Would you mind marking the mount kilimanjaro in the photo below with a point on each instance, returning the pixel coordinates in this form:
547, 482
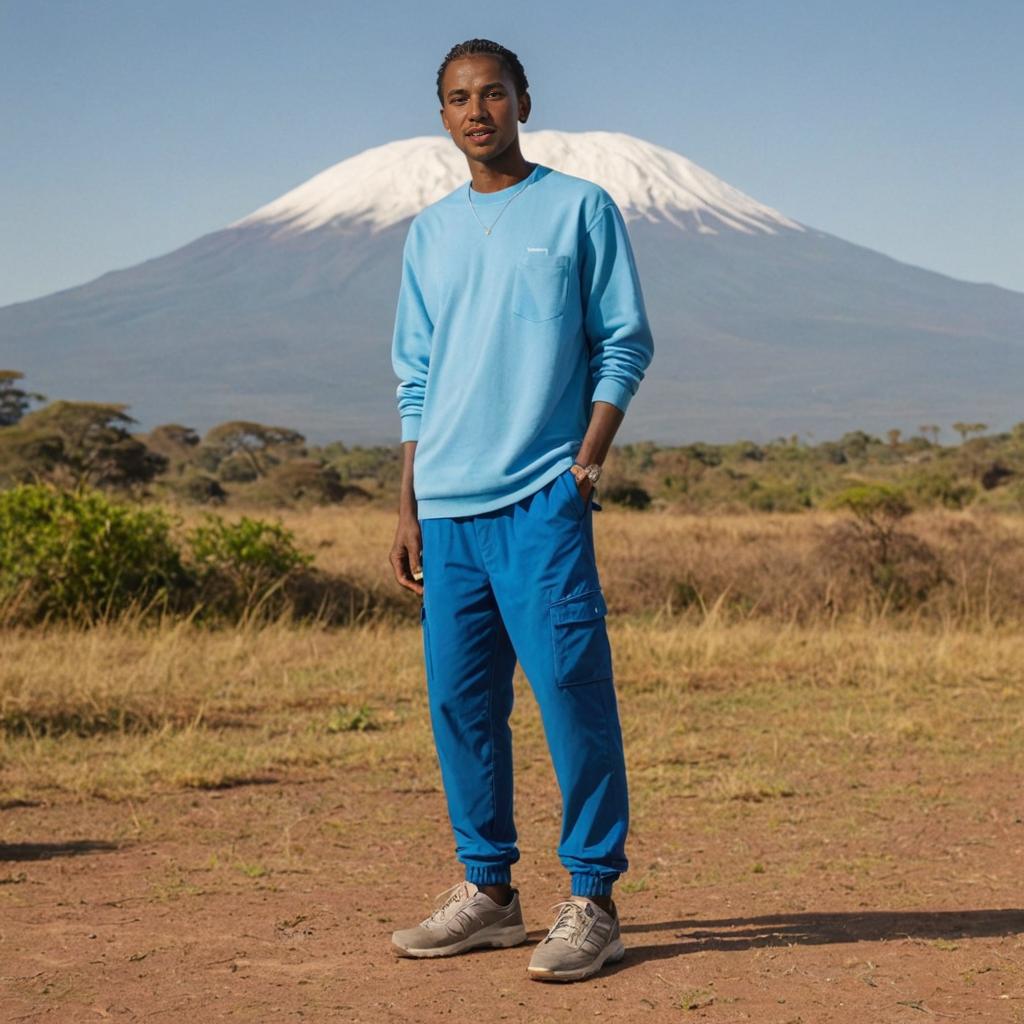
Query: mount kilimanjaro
762, 325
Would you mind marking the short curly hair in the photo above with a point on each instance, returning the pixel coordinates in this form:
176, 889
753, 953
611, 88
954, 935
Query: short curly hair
472, 47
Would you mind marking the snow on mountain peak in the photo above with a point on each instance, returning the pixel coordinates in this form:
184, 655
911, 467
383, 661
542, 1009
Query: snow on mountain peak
387, 184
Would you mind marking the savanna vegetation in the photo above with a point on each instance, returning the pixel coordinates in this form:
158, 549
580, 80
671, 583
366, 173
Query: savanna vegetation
72, 444
97, 522
222, 641
149, 645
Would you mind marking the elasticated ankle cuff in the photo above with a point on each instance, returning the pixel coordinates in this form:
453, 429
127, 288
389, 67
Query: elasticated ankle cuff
489, 874
592, 885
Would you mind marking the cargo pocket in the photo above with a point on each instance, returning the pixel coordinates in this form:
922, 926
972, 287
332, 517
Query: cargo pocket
579, 638
540, 287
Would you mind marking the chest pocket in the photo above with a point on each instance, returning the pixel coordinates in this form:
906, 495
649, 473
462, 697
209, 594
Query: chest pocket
540, 287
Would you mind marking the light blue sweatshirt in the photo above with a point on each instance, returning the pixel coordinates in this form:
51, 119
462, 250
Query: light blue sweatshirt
502, 341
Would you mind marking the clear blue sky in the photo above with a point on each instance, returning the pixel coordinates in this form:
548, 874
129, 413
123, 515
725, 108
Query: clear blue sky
130, 127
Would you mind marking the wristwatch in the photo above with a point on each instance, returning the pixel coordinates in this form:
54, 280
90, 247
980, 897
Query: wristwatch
593, 471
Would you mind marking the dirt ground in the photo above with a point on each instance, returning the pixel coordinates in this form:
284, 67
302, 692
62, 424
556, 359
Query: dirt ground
275, 901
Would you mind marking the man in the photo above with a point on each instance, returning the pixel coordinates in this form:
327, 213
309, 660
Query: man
520, 338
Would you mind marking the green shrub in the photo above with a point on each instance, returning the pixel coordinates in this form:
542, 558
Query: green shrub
627, 493
347, 719
877, 506
773, 496
708, 454
199, 488
934, 487
243, 568
302, 480
80, 556
237, 469
901, 568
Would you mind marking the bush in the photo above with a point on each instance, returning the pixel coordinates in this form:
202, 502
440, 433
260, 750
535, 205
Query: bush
899, 567
777, 496
934, 487
79, 556
244, 568
302, 480
898, 572
200, 488
628, 493
877, 506
237, 469
707, 454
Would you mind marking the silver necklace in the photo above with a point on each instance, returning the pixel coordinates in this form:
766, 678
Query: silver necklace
469, 196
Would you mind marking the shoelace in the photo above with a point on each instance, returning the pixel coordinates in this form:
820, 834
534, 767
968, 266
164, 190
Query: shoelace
445, 900
571, 921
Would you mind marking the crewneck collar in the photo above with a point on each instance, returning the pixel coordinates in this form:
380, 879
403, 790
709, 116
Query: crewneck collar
503, 194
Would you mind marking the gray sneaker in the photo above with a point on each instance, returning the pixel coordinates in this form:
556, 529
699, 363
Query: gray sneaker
582, 940
463, 918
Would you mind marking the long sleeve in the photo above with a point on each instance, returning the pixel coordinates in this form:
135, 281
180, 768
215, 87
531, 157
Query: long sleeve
410, 345
615, 317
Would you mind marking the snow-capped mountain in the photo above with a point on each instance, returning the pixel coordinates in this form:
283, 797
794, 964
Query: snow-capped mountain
376, 189
762, 325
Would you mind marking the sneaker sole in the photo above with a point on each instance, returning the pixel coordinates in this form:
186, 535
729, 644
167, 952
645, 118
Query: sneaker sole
611, 954
491, 937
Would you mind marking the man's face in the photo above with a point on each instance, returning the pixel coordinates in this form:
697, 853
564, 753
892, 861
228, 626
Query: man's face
480, 96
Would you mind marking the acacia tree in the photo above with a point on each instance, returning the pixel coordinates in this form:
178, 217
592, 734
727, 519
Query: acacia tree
174, 441
174, 435
14, 402
964, 429
27, 457
259, 444
92, 444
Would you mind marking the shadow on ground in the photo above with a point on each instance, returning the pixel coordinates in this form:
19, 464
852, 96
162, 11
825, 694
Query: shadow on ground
47, 851
741, 933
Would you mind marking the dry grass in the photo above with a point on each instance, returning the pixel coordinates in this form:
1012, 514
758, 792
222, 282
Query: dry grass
803, 568
716, 705
962, 570
741, 712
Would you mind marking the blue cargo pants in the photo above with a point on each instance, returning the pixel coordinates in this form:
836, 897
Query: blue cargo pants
521, 582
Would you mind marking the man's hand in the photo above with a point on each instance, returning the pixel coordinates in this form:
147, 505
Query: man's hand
583, 483
406, 552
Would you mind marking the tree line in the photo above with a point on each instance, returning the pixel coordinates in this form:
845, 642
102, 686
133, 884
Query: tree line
77, 444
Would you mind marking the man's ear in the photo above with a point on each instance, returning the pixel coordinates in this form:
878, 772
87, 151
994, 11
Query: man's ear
444, 121
524, 107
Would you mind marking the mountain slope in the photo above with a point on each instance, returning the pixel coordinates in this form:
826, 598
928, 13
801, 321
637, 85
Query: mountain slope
762, 325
